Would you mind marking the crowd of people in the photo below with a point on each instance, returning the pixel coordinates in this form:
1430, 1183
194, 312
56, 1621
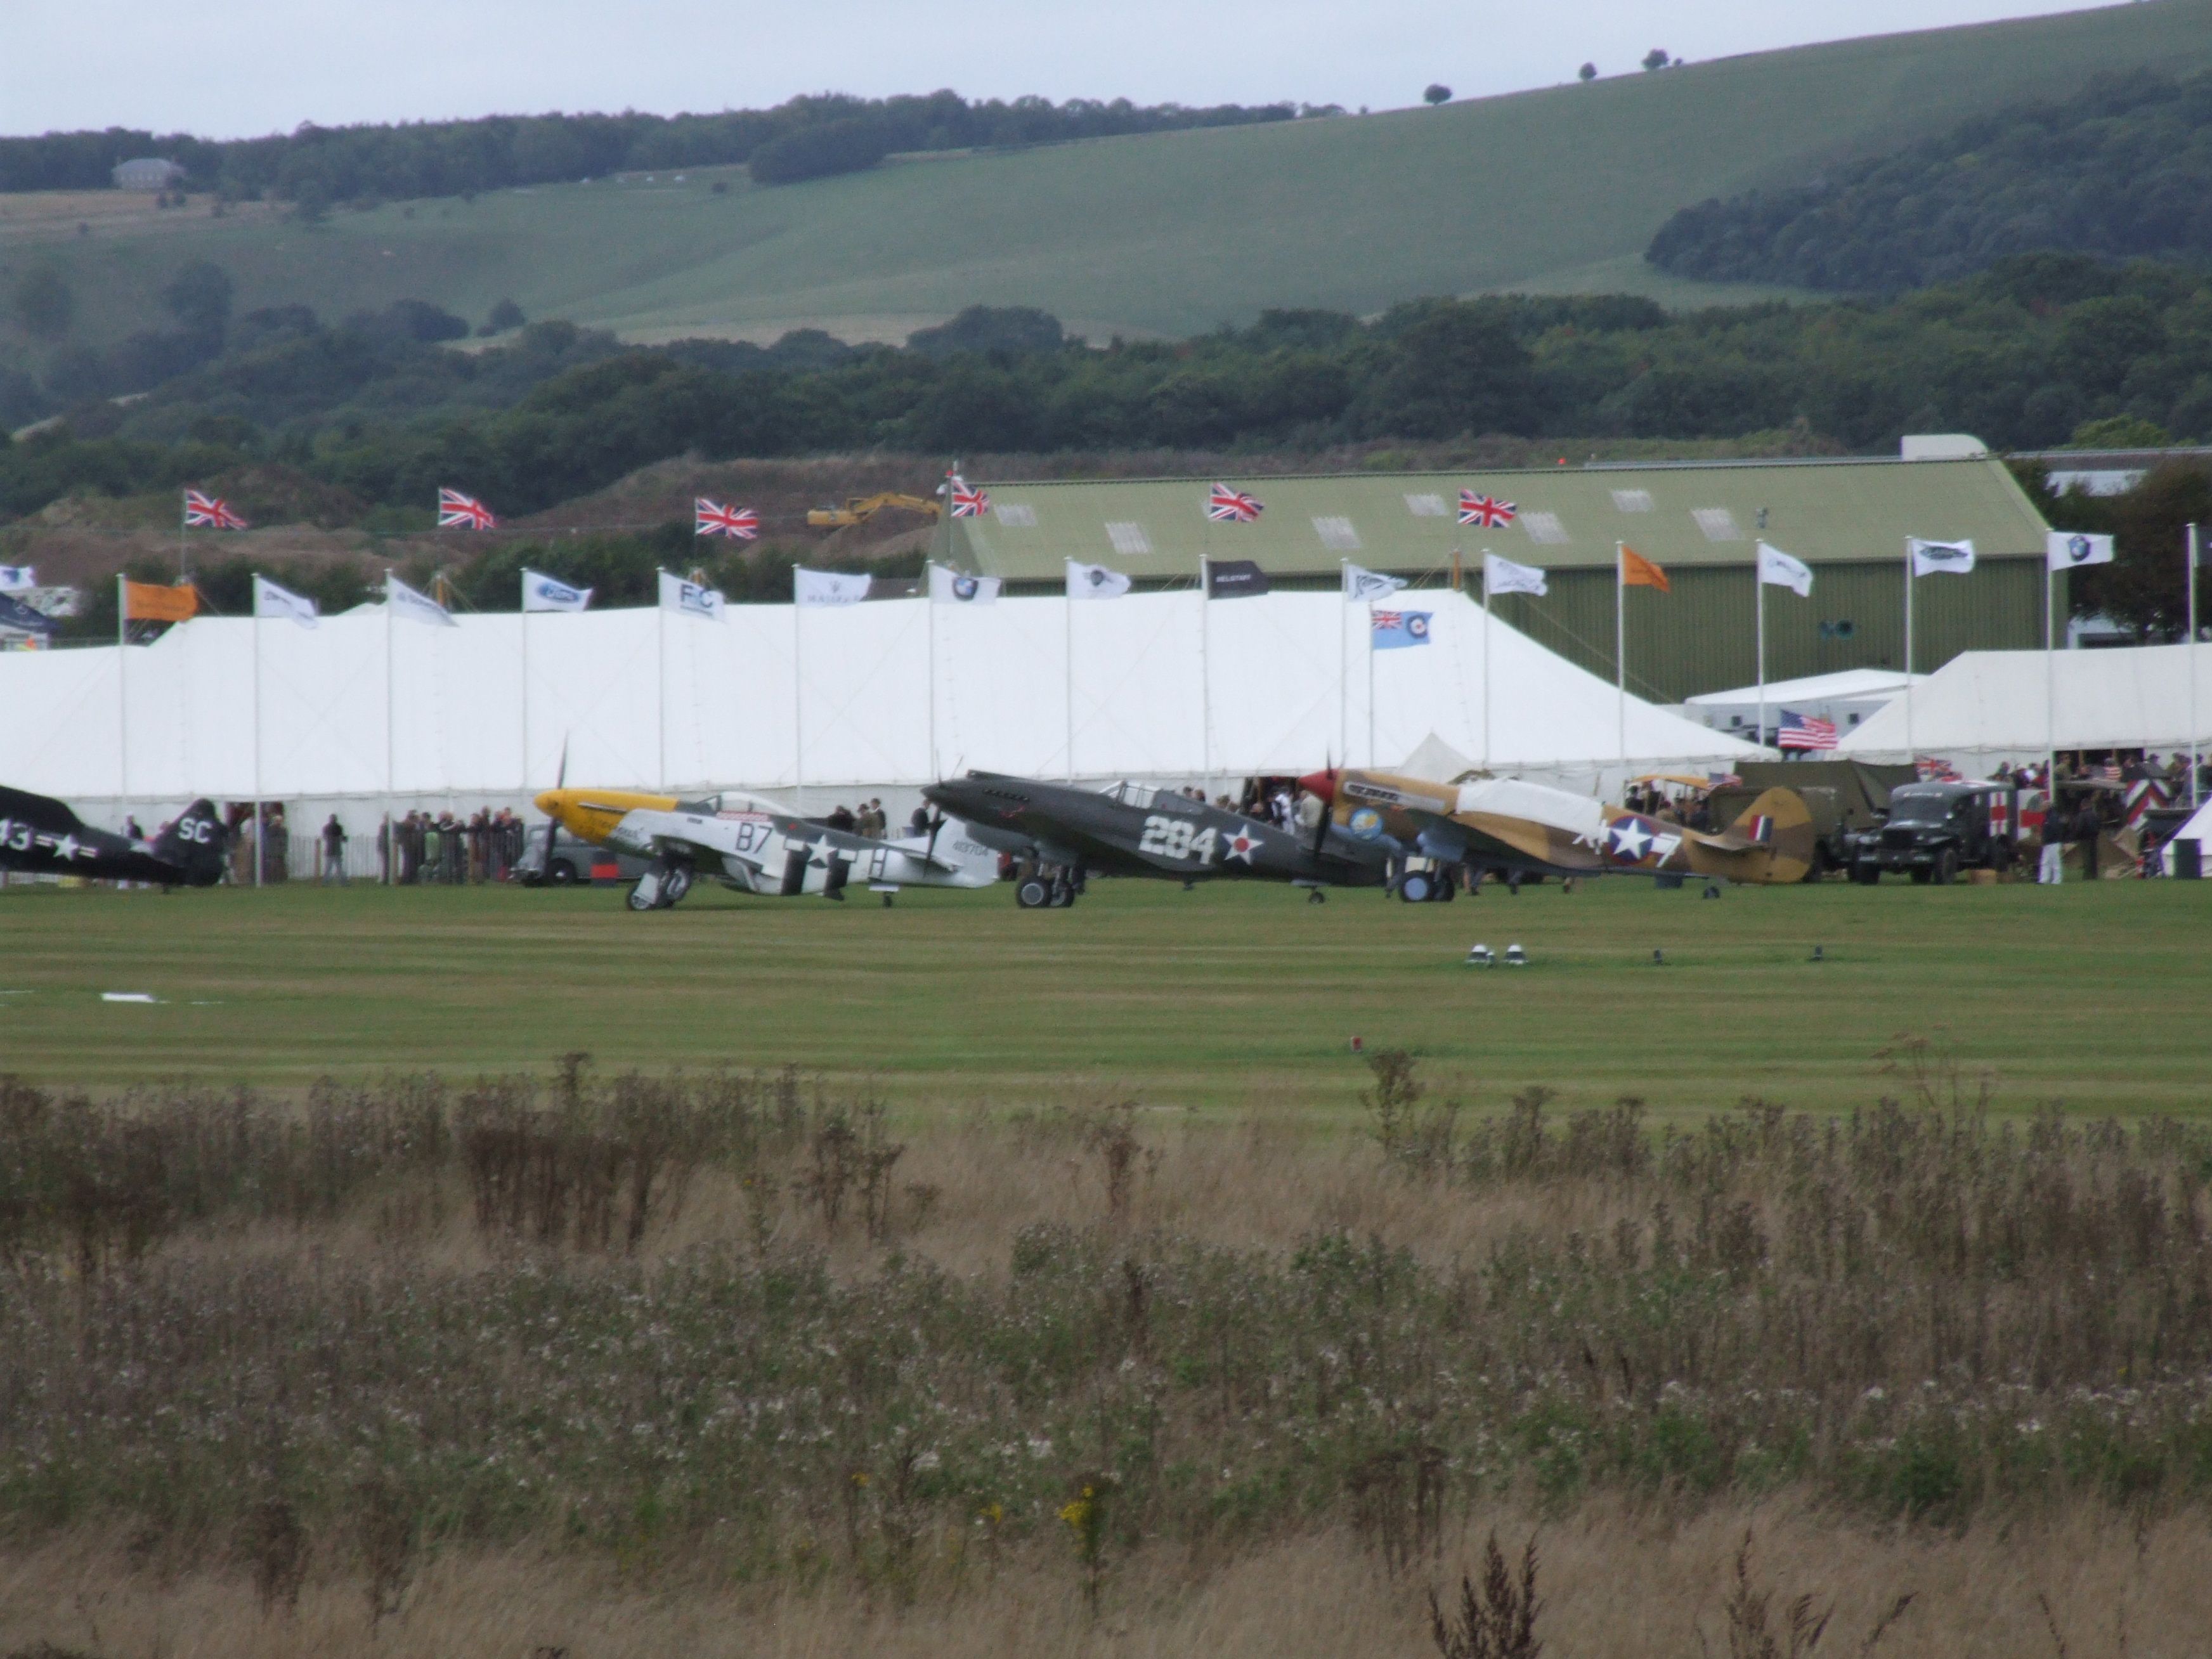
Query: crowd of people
425, 848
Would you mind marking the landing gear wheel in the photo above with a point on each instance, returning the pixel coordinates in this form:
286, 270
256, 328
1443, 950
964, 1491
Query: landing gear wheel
1417, 889
1030, 893
1314, 895
640, 899
675, 882
1060, 897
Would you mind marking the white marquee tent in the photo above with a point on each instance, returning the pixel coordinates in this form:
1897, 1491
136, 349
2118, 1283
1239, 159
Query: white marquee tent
1984, 707
877, 698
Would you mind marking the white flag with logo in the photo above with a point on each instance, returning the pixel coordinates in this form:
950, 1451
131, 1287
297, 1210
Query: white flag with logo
827, 588
2069, 550
404, 601
271, 600
17, 578
951, 586
543, 592
1360, 584
1940, 558
692, 598
1777, 569
1095, 582
1503, 576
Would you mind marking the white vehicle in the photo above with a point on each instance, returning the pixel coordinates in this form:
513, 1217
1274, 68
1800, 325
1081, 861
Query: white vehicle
754, 846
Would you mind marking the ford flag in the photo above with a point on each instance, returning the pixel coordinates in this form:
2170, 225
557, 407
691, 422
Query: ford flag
543, 592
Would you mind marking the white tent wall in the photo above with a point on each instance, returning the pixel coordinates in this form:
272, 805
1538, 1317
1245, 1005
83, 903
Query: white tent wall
650, 699
1984, 707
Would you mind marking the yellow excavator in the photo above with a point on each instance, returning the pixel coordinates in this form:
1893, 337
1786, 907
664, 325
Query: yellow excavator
859, 509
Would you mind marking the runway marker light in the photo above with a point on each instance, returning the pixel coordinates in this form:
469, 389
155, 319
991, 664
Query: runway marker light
1480, 957
1515, 957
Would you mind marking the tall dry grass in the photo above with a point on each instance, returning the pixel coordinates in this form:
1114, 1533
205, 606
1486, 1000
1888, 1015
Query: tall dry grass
667, 1356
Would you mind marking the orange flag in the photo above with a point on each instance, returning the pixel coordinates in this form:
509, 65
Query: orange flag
1637, 571
151, 602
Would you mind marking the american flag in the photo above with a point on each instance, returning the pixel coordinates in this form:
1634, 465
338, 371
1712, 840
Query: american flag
1803, 732
739, 524
1227, 506
459, 511
967, 503
1486, 510
203, 512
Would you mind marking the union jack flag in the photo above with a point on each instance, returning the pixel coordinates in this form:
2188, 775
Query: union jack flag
1227, 506
739, 524
1803, 732
459, 511
203, 512
967, 503
1488, 511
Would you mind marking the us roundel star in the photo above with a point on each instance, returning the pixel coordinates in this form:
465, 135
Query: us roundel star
1241, 845
1628, 839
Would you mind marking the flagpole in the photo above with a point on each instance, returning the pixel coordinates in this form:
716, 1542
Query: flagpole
1759, 597
1067, 652
1205, 677
260, 824
390, 725
1912, 757
1370, 681
661, 682
1343, 668
2049, 694
1486, 639
929, 598
2194, 551
798, 705
1620, 650
525, 687
122, 688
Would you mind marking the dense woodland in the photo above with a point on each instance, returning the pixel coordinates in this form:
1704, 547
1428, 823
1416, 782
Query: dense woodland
804, 138
2123, 170
2024, 354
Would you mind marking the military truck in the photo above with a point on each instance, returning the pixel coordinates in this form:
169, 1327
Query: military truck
1933, 830
1842, 796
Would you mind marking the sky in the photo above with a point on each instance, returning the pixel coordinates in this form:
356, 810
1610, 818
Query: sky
237, 67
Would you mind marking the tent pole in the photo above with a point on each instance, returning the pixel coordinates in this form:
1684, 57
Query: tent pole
1343, 670
929, 598
391, 724
1759, 594
1368, 611
1067, 661
798, 705
2050, 696
526, 692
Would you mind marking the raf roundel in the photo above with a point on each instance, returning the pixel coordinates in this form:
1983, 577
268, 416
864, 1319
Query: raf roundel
1417, 624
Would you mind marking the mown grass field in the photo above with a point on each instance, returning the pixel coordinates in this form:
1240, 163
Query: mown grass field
1227, 997
1556, 189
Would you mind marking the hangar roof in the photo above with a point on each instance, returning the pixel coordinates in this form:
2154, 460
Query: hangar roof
1686, 513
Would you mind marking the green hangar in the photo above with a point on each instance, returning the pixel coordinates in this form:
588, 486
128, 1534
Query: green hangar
1848, 520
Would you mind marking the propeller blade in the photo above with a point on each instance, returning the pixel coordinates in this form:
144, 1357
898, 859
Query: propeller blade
560, 778
936, 824
1327, 808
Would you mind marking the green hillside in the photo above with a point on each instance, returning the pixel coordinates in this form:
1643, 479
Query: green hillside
1555, 189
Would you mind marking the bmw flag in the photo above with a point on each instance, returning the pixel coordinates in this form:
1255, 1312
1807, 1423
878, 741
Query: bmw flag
1394, 630
2069, 550
543, 592
951, 586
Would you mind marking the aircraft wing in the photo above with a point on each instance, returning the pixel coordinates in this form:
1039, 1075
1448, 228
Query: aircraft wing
1507, 843
40, 811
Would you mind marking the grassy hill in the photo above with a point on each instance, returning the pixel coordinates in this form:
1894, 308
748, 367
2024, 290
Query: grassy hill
1557, 190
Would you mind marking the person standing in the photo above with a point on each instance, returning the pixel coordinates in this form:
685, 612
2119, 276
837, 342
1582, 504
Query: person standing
334, 842
2051, 871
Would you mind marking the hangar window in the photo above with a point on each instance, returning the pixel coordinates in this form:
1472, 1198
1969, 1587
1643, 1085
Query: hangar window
1426, 506
1337, 533
1545, 527
1128, 537
1632, 500
1719, 523
1016, 515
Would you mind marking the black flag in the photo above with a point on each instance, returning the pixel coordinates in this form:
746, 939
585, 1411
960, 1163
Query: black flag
1234, 579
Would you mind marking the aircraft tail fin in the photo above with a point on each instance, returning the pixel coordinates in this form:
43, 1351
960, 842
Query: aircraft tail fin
194, 844
1778, 824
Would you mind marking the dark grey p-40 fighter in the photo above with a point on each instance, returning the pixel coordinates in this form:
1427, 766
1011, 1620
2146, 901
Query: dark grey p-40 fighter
1062, 834
41, 834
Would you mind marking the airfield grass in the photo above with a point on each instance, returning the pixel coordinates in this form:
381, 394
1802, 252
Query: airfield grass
1232, 996
1556, 189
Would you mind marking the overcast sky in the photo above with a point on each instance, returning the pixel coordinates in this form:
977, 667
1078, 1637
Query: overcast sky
226, 68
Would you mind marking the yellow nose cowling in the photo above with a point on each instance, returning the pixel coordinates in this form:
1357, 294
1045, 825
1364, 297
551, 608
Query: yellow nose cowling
591, 814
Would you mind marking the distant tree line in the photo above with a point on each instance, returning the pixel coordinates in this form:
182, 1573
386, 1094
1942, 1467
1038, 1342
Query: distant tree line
2123, 170
2022, 354
805, 137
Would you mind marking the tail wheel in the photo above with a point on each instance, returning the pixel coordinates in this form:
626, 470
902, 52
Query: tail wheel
1032, 893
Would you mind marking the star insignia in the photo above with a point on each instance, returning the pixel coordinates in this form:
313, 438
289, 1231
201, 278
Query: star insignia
67, 847
1631, 840
1241, 845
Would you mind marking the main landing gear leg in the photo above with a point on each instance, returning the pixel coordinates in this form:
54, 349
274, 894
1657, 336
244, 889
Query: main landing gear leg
1314, 895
